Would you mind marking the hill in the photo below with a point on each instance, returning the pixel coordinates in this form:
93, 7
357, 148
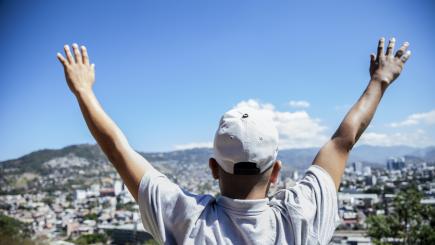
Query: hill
43, 161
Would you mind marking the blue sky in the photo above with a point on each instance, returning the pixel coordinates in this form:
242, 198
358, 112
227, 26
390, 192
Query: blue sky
167, 70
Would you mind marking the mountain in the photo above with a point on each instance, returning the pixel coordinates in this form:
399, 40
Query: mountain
372, 155
379, 154
78, 166
295, 158
34, 161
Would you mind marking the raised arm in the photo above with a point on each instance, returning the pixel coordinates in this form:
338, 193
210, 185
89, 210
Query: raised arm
80, 76
384, 69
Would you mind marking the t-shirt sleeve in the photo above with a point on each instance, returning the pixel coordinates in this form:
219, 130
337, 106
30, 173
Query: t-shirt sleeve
314, 199
166, 209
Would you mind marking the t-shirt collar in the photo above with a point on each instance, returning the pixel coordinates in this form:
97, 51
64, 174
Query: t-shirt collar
243, 205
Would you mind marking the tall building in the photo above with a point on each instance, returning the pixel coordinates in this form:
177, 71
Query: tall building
295, 175
395, 163
370, 180
367, 170
357, 167
118, 187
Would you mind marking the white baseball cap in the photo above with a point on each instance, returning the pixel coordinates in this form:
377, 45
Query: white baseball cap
246, 142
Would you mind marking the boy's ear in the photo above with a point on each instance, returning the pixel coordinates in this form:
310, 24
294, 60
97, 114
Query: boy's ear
214, 167
275, 171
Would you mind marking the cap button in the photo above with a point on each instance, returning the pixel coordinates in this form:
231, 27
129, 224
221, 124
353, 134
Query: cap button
245, 115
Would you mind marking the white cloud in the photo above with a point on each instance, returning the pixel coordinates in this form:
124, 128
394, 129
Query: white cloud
301, 104
416, 119
418, 138
300, 130
296, 129
193, 145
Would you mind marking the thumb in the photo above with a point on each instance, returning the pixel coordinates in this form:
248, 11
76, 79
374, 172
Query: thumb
372, 58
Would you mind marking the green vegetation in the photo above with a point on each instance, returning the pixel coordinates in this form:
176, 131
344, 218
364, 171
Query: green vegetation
13, 231
91, 239
48, 200
410, 222
151, 242
126, 206
91, 216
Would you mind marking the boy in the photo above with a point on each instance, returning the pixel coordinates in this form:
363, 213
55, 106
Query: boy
244, 161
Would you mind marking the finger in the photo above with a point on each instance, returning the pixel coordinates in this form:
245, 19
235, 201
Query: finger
85, 55
402, 50
390, 47
380, 48
405, 57
77, 54
68, 54
93, 67
372, 58
62, 59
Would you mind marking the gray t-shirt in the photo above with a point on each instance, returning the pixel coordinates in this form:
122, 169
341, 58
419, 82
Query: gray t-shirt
306, 213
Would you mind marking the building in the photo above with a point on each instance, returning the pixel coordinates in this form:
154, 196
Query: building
395, 163
127, 234
357, 167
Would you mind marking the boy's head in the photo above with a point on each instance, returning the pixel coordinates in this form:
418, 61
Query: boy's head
244, 154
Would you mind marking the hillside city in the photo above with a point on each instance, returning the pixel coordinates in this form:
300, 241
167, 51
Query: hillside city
72, 195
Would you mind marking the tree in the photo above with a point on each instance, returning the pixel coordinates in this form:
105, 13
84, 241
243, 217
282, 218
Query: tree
92, 239
13, 231
409, 222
